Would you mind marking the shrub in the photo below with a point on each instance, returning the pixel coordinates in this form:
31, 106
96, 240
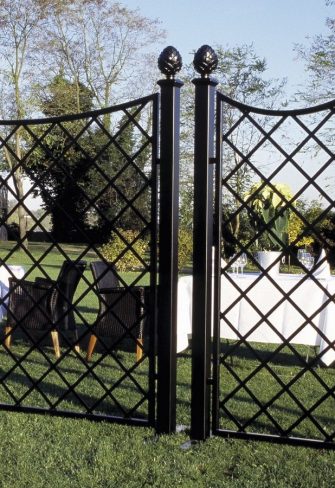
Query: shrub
185, 252
114, 248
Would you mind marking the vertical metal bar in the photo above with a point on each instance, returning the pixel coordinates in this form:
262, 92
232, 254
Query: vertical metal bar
202, 244
168, 242
153, 263
217, 268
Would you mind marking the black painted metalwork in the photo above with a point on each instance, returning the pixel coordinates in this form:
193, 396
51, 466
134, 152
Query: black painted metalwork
240, 408
106, 161
168, 239
202, 243
205, 61
170, 62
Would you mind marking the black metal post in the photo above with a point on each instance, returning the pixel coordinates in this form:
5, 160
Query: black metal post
205, 61
217, 267
169, 63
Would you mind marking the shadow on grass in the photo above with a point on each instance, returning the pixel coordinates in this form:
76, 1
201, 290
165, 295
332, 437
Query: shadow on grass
76, 388
272, 415
298, 356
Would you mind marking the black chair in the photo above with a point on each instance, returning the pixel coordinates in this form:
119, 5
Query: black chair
104, 275
121, 314
45, 304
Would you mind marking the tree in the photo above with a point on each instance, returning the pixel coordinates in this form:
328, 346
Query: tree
94, 43
101, 44
95, 181
328, 236
59, 165
61, 97
296, 228
319, 58
241, 74
20, 23
314, 226
117, 178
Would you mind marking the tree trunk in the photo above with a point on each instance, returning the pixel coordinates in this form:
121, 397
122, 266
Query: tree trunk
18, 186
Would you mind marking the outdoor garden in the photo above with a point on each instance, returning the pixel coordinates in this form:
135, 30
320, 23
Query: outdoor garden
81, 163
65, 452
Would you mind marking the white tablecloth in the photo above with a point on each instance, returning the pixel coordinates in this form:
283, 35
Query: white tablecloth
7, 272
285, 317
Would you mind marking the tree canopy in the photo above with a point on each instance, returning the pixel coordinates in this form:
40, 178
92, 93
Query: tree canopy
319, 58
241, 75
65, 57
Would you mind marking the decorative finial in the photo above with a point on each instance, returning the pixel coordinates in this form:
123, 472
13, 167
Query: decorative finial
205, 61
170, 62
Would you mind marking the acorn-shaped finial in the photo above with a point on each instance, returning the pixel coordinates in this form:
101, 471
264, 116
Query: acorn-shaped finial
170, 62
205, 61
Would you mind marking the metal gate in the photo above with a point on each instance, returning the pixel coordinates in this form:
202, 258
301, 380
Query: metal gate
263, 340
79, 275
80, 296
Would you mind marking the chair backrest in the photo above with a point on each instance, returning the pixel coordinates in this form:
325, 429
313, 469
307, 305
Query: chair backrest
121, 311
66, 284
104, 275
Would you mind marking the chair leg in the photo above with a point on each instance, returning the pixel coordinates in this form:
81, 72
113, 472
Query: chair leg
91, 346
139, 350
75, 341
55, 342
8, 339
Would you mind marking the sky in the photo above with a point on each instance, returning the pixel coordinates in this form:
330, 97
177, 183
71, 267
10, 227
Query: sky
273, 26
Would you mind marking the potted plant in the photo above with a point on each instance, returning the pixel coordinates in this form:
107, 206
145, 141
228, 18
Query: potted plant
269, 214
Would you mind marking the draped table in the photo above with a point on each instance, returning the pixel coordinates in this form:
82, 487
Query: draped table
256, 309
7, 272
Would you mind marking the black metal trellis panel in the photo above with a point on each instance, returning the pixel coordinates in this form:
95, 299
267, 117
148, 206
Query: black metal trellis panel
116, 149
107, 189
259, 388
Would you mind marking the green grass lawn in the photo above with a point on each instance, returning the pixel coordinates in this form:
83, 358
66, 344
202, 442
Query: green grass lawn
41, 450
299, 399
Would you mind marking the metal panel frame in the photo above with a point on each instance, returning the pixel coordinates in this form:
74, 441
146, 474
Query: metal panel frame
248, 111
